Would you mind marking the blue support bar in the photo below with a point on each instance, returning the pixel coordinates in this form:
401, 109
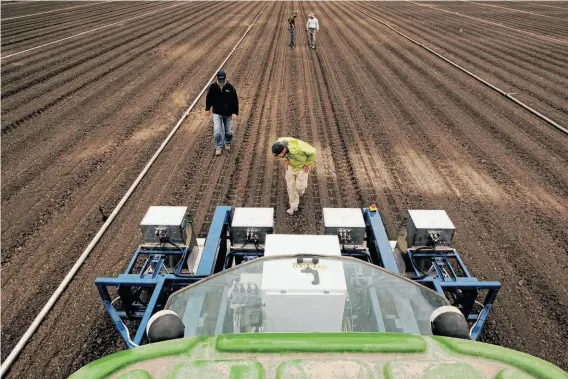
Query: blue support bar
149, 310
134, 280
158, 268
462, 265
132, 261
480, 322
163, 253
454, 274
145, 267
470, 284
487, 307
378, 242
215, 245
116, 320
126, 280
461, 283
438, 270
438, 287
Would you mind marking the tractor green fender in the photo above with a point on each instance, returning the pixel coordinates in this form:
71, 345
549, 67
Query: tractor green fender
320, 355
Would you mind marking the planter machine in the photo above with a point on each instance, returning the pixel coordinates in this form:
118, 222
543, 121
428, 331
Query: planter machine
247, 301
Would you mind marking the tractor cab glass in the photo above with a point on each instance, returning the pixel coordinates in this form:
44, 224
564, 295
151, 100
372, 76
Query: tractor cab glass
305, 294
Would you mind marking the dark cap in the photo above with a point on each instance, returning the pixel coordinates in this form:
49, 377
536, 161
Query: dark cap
278, 147
221, 76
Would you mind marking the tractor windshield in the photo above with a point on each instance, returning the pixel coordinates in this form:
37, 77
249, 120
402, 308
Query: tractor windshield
305, 294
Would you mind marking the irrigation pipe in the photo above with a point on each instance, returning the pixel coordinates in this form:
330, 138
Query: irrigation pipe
505, 94
47, 307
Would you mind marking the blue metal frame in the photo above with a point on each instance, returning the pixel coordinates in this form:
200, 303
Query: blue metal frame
215, 258
215, 250
159, 280
378, 242
464, 287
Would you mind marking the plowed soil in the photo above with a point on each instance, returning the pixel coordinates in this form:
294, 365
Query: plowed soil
393, 124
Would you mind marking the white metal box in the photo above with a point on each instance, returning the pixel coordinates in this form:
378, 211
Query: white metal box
420, 223
347, 223
165, 221
291, 244
249, 224
297, 300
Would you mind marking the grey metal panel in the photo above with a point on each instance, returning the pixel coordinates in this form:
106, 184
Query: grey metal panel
345, 221
172, 219
421, 222
256, 221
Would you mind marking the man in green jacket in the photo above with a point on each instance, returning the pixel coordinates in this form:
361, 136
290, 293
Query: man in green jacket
298, 157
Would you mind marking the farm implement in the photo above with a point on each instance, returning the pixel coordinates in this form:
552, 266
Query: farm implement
246, 302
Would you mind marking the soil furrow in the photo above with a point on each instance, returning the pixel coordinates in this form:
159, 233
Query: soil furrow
535, 86
60, 149
15, 9
21, 40
62, 73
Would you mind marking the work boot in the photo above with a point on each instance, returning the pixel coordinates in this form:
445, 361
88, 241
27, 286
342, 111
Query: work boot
227, 147
218, 152
291, 210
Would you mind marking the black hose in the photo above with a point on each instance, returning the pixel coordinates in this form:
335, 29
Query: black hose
181, 260
415, 265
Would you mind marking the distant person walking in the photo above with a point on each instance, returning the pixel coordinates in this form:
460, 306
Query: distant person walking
299, 157
223, 102
312, 26
292, 29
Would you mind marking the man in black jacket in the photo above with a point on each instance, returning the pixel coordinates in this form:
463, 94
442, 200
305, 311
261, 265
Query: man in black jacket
223, 102
292, 29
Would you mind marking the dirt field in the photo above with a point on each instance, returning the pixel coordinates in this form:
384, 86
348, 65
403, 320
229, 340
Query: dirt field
393, 124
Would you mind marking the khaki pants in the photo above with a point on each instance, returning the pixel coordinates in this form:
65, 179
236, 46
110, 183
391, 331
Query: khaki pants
297, 183
312, 37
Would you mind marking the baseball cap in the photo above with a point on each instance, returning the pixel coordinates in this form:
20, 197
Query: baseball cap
277, 148
221, 76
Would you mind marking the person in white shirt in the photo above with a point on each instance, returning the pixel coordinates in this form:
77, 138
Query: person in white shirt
312, 27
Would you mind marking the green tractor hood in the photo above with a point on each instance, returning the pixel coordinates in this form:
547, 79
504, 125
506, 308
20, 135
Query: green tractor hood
320, 355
